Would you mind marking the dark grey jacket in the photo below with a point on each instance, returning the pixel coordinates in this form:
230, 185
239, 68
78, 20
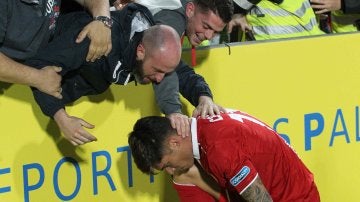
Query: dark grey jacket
26, 26
185, 80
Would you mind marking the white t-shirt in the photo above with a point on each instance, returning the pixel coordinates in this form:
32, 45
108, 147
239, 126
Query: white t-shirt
156, 5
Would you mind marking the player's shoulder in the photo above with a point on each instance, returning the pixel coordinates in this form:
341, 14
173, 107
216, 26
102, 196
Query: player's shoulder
223, 116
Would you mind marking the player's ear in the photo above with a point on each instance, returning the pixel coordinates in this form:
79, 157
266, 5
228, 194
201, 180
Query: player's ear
174, 142
140, 52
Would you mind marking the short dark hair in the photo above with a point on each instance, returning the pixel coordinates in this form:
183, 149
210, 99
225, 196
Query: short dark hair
223, 8
146, 141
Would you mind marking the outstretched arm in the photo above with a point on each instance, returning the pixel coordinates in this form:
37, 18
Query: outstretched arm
192, 85
64, 52
195, 89
47, 79
168, 100
72, 128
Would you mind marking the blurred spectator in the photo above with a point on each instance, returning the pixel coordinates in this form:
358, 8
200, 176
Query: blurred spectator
346, 6
341, 22
341, 15
273, 19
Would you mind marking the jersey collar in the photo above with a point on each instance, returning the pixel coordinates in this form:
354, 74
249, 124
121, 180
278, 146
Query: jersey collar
194, 139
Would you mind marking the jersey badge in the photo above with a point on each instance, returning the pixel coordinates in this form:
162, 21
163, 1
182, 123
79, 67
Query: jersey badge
240, 176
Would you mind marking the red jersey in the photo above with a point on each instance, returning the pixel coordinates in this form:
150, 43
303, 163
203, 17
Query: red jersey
235, 148
189, 192
192, 193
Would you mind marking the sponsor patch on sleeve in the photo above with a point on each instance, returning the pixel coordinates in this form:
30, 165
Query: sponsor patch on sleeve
240, 176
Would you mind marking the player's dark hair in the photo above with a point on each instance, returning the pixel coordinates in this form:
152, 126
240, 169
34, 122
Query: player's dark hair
146, 141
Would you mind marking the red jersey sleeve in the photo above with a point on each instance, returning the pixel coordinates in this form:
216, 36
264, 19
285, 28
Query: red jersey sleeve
232, 168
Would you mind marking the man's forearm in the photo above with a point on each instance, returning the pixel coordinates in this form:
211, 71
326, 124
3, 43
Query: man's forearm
14, 72
167, 94
96, 7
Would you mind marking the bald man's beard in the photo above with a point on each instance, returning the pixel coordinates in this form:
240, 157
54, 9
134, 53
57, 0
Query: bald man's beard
138, 72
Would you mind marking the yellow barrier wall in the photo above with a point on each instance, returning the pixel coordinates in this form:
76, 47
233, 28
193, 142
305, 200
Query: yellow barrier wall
308, 89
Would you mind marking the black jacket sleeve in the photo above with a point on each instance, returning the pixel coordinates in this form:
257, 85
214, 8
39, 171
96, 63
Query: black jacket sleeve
174, 18
167, 94
351, 6
64, 52
167, 91
191, 85
185, 80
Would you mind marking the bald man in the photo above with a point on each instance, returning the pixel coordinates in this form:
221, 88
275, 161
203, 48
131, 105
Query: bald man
140, 52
